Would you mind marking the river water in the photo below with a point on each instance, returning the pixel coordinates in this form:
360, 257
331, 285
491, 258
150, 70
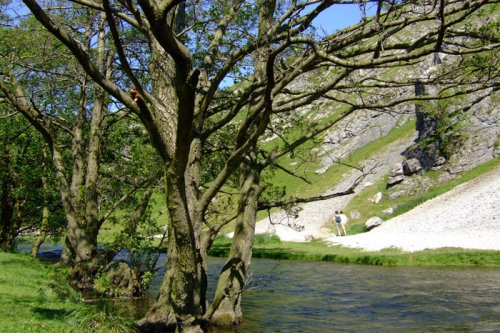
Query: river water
323, 297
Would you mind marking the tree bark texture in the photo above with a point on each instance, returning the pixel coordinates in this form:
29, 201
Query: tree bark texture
181, 302
7, 224
225, 310
44, 225
40, 238
182, 298
9, 205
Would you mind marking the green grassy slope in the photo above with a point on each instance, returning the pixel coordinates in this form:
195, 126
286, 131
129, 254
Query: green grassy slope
36, 298
28, 303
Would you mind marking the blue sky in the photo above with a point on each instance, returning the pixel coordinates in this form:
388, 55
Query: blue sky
334, 18
340, 16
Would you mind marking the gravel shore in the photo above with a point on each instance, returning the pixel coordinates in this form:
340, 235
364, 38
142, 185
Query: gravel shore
466, 217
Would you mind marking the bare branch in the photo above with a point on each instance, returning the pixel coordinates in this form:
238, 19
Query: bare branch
81, 55
291, 173
127, 195
294, 201
9, 115
215, 229
99, 7
121, 54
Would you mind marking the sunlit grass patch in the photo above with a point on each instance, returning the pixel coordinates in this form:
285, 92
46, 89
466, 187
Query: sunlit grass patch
37, 298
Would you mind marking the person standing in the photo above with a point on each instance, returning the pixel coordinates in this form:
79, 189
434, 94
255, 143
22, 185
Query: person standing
343, 221
338, 220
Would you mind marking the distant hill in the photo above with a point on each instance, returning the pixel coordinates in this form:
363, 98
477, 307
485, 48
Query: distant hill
385, 141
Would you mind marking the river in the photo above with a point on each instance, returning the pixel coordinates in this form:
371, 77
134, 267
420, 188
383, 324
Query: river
321, 297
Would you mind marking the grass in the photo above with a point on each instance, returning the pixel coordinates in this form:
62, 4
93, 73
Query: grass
272, 248
37, 298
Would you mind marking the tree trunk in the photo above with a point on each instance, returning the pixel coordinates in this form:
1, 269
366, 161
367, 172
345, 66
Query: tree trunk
86, 240
85, 262
35, 246
6, 219
94, 147
181, 301
139, 212
84, 265
225, 310
66, 253
161, 317
68, 205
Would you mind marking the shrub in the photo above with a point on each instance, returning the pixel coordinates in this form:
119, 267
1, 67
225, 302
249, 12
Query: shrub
266, 239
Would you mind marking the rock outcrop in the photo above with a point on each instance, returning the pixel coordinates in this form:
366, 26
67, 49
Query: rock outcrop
373, 222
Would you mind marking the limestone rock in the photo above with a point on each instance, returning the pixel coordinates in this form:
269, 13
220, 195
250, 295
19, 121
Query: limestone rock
439, 163
389, 210
367, 184
397, 194
322, 170
125, 281
411, 166
376, 198
373, 222
396, 176
356, 131
479, 142
446, 177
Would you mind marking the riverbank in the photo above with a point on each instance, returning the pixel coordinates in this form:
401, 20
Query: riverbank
460, 227
36, 298
270, 247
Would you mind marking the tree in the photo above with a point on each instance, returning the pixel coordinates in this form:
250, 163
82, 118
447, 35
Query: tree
49, 196
193, 47
73, 117
20, 186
